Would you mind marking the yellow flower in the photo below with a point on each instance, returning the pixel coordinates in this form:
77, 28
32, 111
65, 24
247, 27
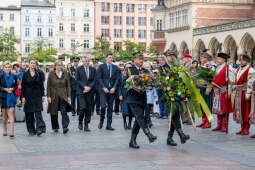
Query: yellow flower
170, 94
171, 79
178, 87
187, 91
182, 96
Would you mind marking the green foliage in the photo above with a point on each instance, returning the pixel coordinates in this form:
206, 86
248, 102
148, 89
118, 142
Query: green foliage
101, 49
7, 47
43, 52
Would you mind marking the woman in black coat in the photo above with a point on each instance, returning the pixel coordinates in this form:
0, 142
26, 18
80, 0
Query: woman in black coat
32, 89
8, 85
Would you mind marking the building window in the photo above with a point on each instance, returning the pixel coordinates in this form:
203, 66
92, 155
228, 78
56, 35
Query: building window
151, 21
72, 12
50, 32
141, 33
117, 7
86, 44
117, 20
39, 19
130, 20
130, 7
39, 32
26, 18
27, 48
178, 19
142, 21
130, 33
73, 27
50, 19
12, 31
86, 27
105, 6
1, 30
105, 33
141, 8
117, 46
117, 33
159, 25
27, 32
61, 43
184, 17
11, 17
72, 43
61, 27
105, 20
61, 12
86, 13
1, 17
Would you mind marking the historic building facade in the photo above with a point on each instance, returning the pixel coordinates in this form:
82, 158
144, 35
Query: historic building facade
37, 24
178, 25
10, 18
74, 26
118, 20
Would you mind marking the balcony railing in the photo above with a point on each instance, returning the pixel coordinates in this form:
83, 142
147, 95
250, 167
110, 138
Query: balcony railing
159, 35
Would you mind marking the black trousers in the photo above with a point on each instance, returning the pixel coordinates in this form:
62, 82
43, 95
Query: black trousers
140, 120
96, 102
73, 99
110, 99
85, 102
176, 123
65, 117
148, 111
35, 122
117, 105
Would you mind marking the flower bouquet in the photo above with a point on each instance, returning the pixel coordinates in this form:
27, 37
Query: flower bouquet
205, 74
140, 82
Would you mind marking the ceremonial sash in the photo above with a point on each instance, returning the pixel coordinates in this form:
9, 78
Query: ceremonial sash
217, 99
252, 113
238, 101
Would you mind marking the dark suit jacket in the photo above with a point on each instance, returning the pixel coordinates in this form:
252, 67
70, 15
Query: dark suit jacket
3, 85
104, 79
82, 80
163, 69
132, 95
73, 82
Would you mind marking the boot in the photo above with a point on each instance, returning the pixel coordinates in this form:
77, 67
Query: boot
207, 124
241, 131
246, 129
132, 143
80, 126
170, 140
224, 123
129, 123
203, 120
183, 137
125, 122
252, 136
100, 125
219, 123
150, 136
86, 127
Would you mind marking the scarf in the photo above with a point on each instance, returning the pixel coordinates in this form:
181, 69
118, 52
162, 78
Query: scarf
11, 99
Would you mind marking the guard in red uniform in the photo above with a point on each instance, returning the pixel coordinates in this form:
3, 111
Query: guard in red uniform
220, 99
243, 86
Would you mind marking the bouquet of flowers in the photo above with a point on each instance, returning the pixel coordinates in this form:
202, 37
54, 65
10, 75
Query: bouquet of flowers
205, 73
140, 82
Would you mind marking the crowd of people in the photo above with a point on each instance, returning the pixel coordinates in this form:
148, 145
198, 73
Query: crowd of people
100, 88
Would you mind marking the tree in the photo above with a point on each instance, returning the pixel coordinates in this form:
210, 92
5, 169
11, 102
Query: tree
7, 47
43, 52
152, 51
101, 48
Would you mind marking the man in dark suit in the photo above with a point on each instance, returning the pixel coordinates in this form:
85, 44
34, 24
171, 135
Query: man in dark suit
73, 82
86, 78
96, 96
136, 101
108, 79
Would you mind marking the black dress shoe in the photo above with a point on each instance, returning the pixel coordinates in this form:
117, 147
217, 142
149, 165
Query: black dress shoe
80, 126
65, 130
86, 128
39, 133
11, 136
100, 126
32, 133
4, 134
73, 114
132, 143
129, 126
109, 128
55, 130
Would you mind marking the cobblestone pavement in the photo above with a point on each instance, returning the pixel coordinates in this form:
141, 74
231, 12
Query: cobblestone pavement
101, 149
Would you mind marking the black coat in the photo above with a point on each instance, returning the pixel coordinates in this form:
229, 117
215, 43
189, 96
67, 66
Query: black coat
32, 89
3, 85
82, 80
132, 95
72, 78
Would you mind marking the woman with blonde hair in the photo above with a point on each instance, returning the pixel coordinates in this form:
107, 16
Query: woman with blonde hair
8, 85
58, 95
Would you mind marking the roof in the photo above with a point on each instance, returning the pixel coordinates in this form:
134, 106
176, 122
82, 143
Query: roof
37, 3
159, 8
